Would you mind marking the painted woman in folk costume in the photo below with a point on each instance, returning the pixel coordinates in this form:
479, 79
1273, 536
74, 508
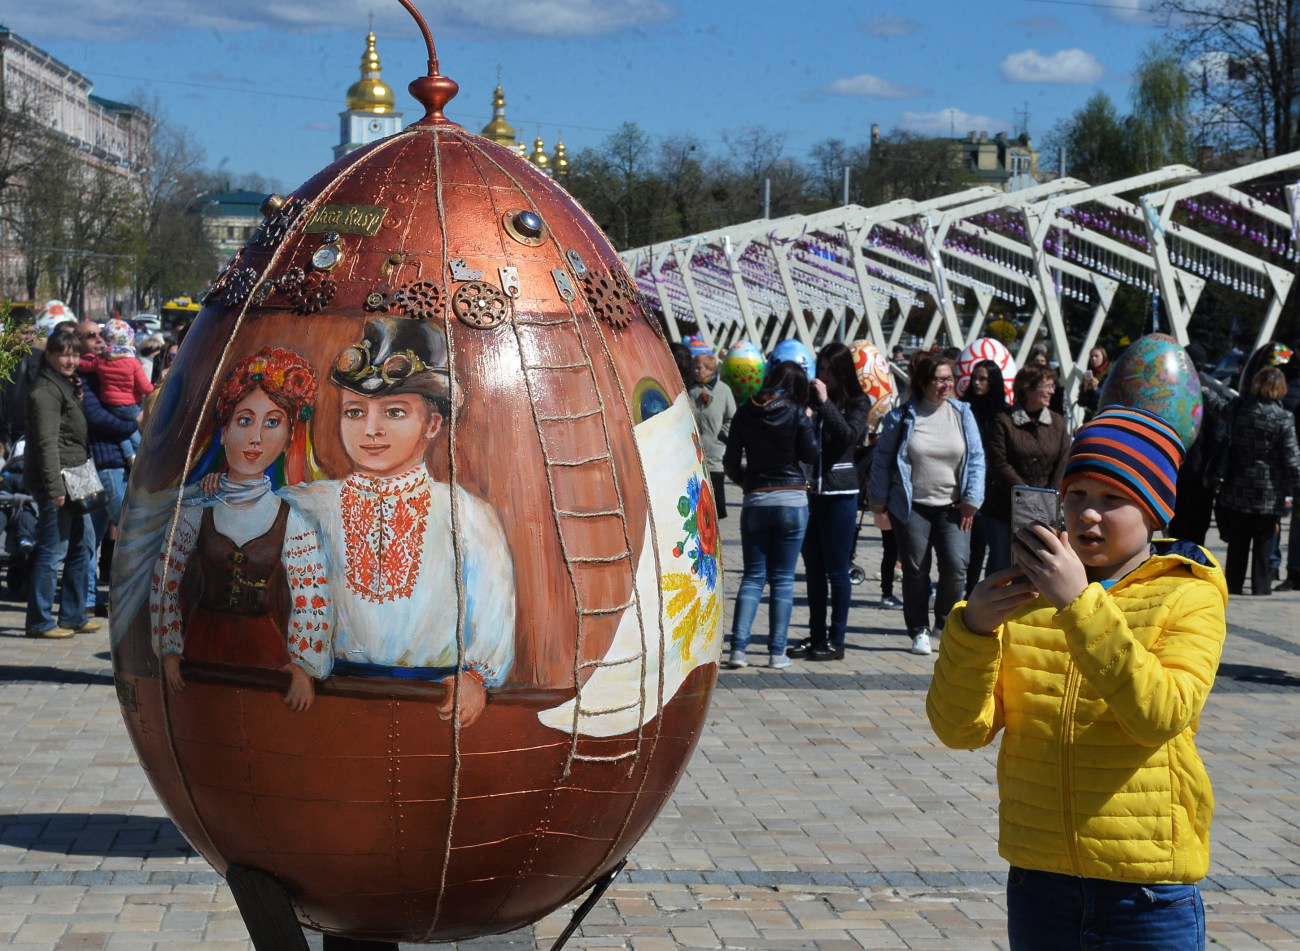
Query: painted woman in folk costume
242, 582
417, 568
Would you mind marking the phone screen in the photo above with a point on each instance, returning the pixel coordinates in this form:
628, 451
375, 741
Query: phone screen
1029, 504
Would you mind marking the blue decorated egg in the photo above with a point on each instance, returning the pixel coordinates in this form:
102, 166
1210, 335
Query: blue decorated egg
697, 345
796, 351
1156, 374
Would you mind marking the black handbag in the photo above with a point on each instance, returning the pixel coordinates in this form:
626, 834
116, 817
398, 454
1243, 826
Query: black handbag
83, 491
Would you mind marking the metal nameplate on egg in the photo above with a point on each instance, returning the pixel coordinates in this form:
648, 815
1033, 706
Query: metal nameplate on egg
509, 280
563, 284
460, 271
346, 219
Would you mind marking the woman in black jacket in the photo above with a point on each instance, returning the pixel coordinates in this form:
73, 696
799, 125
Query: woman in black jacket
840, 411
1262, 469
773, 434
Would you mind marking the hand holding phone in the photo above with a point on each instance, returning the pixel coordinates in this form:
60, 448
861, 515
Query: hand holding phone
1030, 504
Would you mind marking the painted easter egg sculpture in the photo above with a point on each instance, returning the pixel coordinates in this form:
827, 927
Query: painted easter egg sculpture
742, 370
697, 346
986, 348
416, 607
795, 351
1155, 373
1272, 354
876, 378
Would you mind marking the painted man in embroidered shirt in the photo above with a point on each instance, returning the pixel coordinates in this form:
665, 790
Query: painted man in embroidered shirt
390, 530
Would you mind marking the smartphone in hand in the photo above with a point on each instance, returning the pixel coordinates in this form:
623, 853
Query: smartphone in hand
1030, 504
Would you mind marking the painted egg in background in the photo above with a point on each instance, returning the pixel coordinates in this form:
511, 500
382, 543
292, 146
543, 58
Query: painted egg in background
796, 351
422, 432
986, 348
876, 378
697, 345
742, 370
1155, 373
1272, 354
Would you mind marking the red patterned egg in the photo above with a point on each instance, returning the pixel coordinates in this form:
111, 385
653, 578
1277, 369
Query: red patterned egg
876, 378
986, 348
416, 604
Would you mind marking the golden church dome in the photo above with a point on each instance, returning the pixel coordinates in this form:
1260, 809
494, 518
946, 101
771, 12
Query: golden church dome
498, 130
370, 93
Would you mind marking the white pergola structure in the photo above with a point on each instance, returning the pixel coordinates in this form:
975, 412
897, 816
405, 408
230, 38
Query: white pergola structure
840, 274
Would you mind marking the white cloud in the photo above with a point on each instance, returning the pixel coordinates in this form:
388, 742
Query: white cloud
1065, 67
864, 84
950, 122
111, 20
891, 25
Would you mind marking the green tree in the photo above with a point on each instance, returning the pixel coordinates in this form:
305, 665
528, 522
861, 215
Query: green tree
1246, 56
1100, 145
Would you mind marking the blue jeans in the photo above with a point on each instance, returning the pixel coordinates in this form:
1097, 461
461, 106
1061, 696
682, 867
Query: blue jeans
998, 534
937, 527
770, 537
115, 484
1293, 542
63, 537
827, 549
1047, 911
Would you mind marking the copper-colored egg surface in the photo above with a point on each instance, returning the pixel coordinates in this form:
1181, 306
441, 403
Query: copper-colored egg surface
551, 542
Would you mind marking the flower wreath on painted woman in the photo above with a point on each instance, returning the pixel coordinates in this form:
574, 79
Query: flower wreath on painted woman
288, 381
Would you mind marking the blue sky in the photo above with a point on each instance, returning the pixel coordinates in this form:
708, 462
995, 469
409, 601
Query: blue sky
259, 83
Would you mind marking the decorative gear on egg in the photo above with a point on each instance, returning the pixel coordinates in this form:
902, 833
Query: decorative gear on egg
479, 304
417, 604
419, 299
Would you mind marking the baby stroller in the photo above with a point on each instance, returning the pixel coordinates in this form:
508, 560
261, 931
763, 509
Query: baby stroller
18, 517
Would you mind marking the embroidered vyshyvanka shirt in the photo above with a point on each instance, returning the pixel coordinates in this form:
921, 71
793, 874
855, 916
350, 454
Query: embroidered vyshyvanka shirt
392, 571
310, 621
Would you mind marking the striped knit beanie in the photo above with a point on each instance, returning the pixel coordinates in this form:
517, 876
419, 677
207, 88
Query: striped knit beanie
1133, 450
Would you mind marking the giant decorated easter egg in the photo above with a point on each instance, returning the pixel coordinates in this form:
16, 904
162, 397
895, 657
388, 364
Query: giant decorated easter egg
416, 605
796, 352
986, 348
742, 370
697, 346
1272, 354
876, 378
1155, 373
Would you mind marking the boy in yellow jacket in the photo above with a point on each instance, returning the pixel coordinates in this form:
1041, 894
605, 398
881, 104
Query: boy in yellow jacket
1094, 657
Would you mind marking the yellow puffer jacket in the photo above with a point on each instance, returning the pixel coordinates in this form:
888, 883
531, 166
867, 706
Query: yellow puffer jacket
1098, 774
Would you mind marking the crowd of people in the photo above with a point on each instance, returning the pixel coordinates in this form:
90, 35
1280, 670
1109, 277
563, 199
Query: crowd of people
78, 396
940, 481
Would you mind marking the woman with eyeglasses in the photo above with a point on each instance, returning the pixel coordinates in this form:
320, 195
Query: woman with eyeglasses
928, 473
1028, 446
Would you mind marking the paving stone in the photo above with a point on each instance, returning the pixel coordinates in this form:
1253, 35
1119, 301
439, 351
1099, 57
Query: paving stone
819, 812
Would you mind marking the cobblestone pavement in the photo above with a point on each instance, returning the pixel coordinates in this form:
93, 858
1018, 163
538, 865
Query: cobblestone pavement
818, 812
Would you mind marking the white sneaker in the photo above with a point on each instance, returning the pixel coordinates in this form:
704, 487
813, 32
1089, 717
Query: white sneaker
737, 660
921, 642
779, 661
